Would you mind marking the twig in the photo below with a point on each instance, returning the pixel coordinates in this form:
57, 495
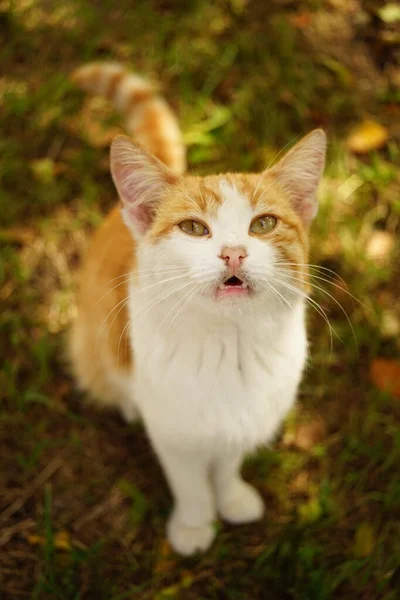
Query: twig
20, 527
114, 498
37, 483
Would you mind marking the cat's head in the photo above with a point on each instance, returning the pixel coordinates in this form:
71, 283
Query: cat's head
226, 239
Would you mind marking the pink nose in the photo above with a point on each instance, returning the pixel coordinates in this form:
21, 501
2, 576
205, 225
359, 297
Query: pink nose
233, 256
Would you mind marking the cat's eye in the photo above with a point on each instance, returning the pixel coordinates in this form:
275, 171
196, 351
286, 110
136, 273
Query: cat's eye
192, 227
263, 224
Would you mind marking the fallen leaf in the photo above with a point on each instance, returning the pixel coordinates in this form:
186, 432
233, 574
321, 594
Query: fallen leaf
390, 323
166, 559
301, 20
380, 245
309, 434
367, 136
61, 540
390, 13
385, 375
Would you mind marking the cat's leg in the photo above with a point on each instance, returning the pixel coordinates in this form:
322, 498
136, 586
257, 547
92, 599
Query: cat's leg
123, 395
190, 527
129, 410
237, 501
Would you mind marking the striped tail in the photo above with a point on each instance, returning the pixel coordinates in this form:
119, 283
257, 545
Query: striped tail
149, 119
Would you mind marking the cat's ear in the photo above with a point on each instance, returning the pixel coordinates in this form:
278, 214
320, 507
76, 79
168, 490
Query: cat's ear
141, 180
299, 173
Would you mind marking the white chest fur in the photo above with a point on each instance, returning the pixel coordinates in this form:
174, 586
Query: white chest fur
211, 382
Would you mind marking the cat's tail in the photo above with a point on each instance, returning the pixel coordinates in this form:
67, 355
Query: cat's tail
148, 118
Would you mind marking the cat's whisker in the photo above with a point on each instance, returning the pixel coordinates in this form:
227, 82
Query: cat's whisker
313, 267
124, 282
154, 301
150, 271
169, 312
159, 298
272, 160
188, 297
139, 275
148, 287
143, 289
314, 304
123, 302
339, 287
319, 288
278, 154
280, 296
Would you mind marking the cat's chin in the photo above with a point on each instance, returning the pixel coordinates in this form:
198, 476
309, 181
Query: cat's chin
232, 292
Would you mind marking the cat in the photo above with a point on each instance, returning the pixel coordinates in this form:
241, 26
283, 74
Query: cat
191, 306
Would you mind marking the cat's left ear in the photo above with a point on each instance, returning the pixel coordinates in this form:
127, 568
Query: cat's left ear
300, 171
141, 180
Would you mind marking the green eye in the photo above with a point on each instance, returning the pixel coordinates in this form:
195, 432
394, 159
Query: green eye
263, 224
194, 228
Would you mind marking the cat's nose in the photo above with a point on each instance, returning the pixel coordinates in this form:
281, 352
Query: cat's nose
233, 256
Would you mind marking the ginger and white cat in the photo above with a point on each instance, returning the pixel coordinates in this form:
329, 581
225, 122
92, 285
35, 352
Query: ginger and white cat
191, 308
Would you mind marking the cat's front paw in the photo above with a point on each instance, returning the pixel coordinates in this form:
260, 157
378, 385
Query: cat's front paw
241, 504
188, 540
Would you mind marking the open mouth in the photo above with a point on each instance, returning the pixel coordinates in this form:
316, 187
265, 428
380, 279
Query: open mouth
232, 286
233, 282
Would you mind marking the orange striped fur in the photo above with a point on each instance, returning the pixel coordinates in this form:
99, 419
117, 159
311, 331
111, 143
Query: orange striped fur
148, 118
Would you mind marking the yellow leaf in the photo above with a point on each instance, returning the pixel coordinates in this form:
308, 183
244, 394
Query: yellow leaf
34, 540
380, 245
367, 136
61, 540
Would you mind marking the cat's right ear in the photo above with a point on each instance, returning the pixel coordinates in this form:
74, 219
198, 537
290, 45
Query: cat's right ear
141, 180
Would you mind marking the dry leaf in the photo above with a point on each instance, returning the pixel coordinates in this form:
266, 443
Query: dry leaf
367, 136
61, 540
385, 374
301, 20
380, 245
309, 434
390, 13
390, 323
166, 559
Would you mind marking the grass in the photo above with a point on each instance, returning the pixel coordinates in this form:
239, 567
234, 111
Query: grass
83, 501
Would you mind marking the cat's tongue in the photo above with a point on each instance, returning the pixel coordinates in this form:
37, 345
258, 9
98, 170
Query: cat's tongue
232, 287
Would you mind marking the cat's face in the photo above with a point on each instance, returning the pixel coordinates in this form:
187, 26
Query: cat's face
232, 233
226, 239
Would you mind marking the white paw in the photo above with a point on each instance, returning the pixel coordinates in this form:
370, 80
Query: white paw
129, 412
243, 504
188, 540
